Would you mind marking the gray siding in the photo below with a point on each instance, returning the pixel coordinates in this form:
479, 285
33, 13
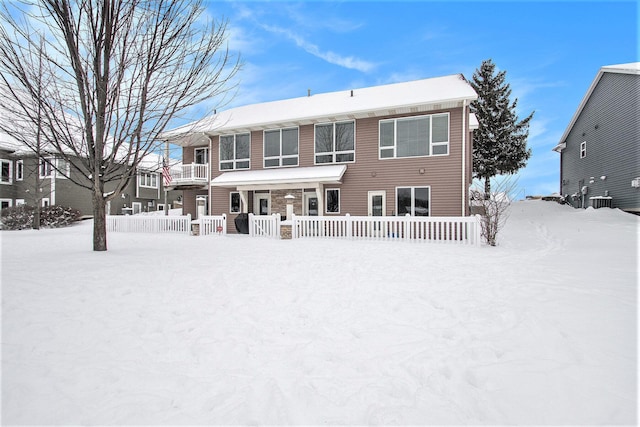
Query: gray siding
609, 124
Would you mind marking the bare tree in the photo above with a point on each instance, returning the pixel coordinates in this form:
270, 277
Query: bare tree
493, 208
117, 72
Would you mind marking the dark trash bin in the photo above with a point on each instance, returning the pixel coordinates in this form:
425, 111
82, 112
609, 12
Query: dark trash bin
242, 223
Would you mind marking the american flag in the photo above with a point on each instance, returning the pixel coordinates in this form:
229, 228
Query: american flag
166, 173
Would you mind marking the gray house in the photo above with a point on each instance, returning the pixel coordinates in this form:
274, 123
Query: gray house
600, 149
27, 179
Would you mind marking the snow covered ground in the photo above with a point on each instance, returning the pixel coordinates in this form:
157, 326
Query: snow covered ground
166, 329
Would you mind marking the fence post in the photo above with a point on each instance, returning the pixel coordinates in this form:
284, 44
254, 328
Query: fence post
276, 232
478, 230
250, 225
407, 226
349, 226
224, 223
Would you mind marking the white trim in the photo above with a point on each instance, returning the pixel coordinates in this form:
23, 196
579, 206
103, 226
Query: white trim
20, 168
326, 197
231, 193
19, 202
235, 160
151, 176
431, 144
206, 156
256, 202
8, 201
583, 149
44, 202
464, 158
281, 156
10, 177
333, 152
305, 202
413, 188
50, 170
276, 178
374, 193
133, 207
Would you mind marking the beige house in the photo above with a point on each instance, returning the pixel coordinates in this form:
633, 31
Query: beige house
384, 150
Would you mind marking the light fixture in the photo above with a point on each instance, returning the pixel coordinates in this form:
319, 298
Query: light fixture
421, 171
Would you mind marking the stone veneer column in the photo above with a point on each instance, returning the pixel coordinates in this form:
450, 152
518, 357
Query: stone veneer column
279, 203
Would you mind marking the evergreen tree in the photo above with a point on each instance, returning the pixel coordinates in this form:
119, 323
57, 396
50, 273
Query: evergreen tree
500, 142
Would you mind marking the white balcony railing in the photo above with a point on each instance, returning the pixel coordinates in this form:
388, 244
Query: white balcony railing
191, 173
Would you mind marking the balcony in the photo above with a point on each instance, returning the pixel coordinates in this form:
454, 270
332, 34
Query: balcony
189, 177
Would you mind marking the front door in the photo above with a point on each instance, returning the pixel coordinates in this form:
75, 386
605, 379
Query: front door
377, 203
310, 201
261, 203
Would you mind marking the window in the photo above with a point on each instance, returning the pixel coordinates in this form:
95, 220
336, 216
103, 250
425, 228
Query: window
234, 202
19, 170
583, 149
19, 202
201, 156
45, 167
281, 147
5, 203
415, 136
335, 142
63, 168
5, 167
332, 198
45, 202
235, 151
413, 201
148, 179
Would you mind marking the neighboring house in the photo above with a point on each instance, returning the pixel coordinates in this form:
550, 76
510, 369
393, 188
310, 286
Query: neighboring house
385, 150
21, 169
600, 150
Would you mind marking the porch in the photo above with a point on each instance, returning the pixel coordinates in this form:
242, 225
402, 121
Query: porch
192, 176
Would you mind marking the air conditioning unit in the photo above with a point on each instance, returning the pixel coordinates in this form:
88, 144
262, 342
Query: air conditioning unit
635, 183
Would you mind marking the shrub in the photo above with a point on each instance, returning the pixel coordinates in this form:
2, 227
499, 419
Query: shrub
21, 217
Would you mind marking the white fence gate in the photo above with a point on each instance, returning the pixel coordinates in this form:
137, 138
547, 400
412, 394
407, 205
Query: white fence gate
212, 224
149, 224
462, 230
264, 225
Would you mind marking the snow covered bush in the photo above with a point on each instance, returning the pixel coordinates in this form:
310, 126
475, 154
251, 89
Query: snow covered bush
493, 208
21, 217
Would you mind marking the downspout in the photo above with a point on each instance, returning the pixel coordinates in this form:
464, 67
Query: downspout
209, 201
464, 156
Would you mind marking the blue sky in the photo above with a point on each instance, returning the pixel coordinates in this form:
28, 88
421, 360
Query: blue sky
550, 50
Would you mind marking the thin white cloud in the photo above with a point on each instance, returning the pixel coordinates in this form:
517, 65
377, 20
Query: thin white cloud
349, 62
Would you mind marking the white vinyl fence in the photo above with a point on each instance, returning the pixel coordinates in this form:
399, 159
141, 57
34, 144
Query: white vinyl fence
212, 224
149, 224
264, 226
462, 230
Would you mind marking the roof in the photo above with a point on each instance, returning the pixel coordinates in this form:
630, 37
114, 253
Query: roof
281, 177
630, 68
398, 98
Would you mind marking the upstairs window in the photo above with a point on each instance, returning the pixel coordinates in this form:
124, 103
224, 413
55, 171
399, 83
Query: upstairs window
19, 170
235, 151
45, 166
148, 179
415, 136
583, 149
5, 176
281, 147
335, 142
201, 156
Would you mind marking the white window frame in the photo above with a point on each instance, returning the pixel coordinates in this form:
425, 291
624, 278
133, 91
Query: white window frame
234, 162
19, 202
19, 170
281, 157
333, 153
231, 194
326, 201
62, 168
9, 179
45, 202
148, 180
45, 164
206, 155
8, 201
583, 149
136, 208
413, 199
394, 147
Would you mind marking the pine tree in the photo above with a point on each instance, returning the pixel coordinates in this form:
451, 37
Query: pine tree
500, 142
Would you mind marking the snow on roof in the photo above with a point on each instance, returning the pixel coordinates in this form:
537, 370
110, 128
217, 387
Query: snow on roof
398, 98
629, 68
331, 174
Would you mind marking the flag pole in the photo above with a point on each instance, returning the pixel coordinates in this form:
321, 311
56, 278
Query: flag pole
165, 165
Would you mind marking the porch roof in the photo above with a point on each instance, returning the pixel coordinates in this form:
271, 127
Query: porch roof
281, 178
